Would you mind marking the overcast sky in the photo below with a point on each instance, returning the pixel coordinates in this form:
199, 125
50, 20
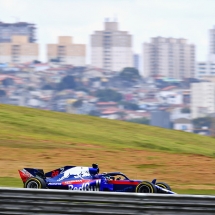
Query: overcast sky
190, 19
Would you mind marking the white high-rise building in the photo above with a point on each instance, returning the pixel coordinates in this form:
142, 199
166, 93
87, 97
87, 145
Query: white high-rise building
212, 44
206, 70
202, 99
169, 57
111, 49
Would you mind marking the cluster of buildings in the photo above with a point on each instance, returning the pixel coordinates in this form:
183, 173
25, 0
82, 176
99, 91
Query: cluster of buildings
111, 49
173, 88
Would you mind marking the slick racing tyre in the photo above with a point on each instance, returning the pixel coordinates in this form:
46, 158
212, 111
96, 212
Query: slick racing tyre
163, 185
35, 183
146, 187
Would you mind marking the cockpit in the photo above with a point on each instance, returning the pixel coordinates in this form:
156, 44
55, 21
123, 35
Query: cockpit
113, 176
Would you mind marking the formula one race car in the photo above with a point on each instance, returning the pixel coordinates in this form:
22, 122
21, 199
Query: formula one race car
88, 179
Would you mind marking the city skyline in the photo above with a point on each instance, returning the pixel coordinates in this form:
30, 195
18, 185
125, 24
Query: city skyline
142, 19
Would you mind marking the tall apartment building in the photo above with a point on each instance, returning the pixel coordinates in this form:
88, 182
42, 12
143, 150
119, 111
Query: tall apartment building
111, 48
212, 44
7, 30
205, 70
67, 52
19, 50
169, 57
202, 99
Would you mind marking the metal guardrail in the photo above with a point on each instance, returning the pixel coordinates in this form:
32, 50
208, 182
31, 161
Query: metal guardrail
55, 202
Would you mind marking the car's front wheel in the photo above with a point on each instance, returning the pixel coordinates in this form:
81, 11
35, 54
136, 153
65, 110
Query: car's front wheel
163, 185
35, 183
146, 187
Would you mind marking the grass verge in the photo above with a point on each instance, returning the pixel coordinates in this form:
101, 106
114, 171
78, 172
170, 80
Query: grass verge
10, 182
44, 139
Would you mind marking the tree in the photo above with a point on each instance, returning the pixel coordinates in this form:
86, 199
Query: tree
130, 106
47, 87
36, 61
84, 89
2, 93
94, 113
8, 81
30, 88
68, 82
202, 122
108, 95
129, 74
140, 121
185, 110
122, 115
77, 103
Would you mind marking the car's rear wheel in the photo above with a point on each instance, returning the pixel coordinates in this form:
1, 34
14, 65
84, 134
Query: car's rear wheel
146, 187
163, 185
35, 183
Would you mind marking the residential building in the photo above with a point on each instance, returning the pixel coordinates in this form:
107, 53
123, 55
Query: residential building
205, 69
202, 99
136, 59
7, 30
66, 52
160, 119
208, 78
169, 57
111, 49
19, 50
168, 96
183, 124
178, 113
212, 44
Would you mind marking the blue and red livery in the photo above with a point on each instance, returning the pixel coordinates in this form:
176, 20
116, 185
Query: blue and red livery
88, 179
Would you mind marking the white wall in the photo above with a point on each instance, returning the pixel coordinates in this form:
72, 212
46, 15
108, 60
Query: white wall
75, 60
97, 57
5, 59
183, 126
205, 69
171, 97
25, 59
21, 59
202, 99
121, 57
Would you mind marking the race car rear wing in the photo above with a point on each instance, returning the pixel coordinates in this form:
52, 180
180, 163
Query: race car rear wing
27, 173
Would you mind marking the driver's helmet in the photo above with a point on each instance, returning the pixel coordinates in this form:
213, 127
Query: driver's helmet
96, 166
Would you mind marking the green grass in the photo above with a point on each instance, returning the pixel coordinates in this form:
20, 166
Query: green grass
11, 182
33, 128
195, 192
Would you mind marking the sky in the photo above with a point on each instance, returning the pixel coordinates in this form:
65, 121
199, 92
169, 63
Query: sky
189, 19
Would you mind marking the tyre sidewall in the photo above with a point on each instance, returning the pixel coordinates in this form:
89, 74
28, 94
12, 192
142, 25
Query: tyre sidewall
40, 182
147, 184
163, 185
